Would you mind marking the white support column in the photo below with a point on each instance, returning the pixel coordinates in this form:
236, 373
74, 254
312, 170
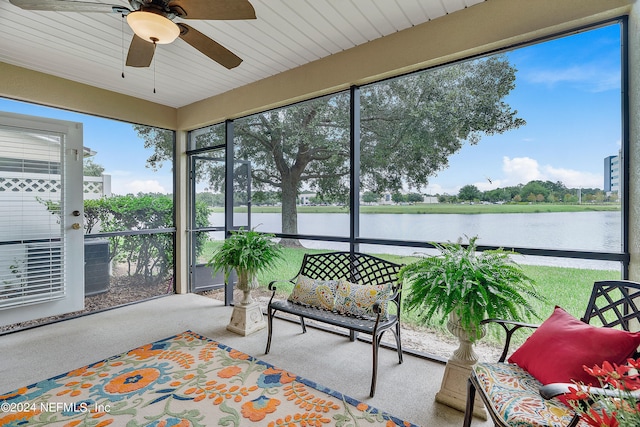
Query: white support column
182, 219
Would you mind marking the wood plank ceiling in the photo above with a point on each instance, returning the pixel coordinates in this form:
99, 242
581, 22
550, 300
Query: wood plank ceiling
90, 47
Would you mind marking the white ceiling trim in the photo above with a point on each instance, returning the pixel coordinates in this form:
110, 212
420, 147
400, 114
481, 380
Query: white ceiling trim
90, 47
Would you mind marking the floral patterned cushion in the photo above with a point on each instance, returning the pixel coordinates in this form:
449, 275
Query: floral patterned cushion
357, 300
316, 293
514, 395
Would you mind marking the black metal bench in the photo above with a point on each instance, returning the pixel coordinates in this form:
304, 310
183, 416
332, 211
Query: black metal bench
356, 268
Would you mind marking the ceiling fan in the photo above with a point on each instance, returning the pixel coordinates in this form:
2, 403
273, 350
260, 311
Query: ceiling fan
152, 23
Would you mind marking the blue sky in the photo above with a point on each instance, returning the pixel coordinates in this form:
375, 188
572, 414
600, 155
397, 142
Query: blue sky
119, 150
568, 91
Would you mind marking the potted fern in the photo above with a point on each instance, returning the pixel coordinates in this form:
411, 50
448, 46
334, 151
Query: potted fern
463, 287
248, 252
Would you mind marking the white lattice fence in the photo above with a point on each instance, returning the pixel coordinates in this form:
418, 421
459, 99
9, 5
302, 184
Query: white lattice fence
29, 185
94, 187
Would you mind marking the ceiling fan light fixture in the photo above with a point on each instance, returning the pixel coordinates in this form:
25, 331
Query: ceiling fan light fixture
153, 27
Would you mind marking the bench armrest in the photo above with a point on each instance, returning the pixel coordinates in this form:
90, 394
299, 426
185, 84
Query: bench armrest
273, 287
509, 326
391, 297
273, 283
550, 391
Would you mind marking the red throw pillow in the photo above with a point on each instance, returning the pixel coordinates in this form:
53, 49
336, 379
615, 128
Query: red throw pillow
558, 349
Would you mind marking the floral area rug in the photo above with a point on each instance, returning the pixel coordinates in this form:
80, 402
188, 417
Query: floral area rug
185, 380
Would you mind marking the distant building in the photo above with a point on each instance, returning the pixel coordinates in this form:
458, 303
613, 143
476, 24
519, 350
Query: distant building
612, 174
305, 198
387, 198
430, 199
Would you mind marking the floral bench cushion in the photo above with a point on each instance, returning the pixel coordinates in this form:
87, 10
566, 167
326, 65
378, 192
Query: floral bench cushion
515, 396
314, 293
341, 296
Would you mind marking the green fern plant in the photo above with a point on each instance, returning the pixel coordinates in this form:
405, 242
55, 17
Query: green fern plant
246, 251
474, 286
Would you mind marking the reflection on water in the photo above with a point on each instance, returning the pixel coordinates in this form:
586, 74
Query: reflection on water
585, 231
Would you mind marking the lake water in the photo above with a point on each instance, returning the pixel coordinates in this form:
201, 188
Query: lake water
587, 231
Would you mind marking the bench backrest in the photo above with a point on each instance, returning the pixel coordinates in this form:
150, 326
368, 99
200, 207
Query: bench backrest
614, 303
355, 267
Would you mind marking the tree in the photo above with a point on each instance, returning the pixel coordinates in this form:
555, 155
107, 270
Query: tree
210, 199
264, 198
415, 197
410, 126
469, 193
531, 190
161, 141
445, 198
398, 197
89, 168
370, 197
145, 255
498, 195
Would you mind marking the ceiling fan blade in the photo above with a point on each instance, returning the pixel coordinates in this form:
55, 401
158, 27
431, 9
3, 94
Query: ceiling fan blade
214, 9
140, 52
65, 6
212, 49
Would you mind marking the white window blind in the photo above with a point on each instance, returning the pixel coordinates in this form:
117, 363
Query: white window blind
32, 246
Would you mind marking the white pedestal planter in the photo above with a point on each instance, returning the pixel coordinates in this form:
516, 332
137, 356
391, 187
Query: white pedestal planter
453, 390
246, 319
247, 316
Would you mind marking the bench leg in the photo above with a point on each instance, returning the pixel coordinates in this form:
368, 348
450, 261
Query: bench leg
375, 343
353, 335
270, 314
396, 332
304, 327
471, 397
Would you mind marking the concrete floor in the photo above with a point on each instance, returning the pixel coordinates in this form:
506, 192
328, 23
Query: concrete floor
406, 391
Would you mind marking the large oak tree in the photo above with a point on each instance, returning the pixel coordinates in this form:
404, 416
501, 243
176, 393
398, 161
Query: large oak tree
410, 126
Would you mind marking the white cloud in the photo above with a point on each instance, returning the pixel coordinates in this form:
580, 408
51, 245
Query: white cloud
590, 77
137, 186
439, 189
574, 179
521, 170
147, 186
489, 184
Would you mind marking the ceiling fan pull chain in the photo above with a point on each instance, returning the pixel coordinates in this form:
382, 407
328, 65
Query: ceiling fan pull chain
122, 42
155, 61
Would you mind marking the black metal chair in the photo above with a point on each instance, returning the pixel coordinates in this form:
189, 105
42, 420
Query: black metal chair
513, 397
